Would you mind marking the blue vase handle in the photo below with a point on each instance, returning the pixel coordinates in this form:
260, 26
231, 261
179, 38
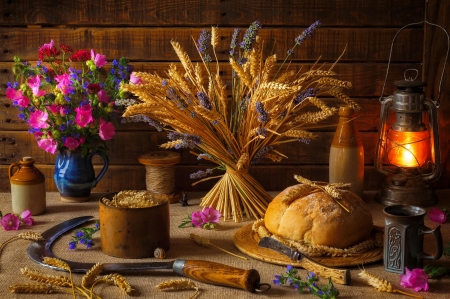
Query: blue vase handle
105, 165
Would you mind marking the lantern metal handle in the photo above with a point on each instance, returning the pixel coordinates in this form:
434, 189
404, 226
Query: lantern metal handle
443, 69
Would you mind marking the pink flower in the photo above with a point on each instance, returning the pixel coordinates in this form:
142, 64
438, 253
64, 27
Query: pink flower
53, 108
35, 85
83, 115
48, 144
71, 143
47, 47
417, 279
210, 215
99, 59
17, 95
197, 219
134, 79
10, 222
103, 96
437, 215
38, 119
106, 130
26, 217
63, 83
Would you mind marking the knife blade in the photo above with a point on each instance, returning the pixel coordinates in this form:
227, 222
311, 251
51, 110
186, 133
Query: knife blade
204, 271
341, 276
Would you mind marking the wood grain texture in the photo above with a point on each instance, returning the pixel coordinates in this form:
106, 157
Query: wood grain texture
153, 44
367, 78
220, 274
201, 13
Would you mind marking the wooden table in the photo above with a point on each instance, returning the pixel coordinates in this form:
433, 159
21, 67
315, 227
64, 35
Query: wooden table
14, 256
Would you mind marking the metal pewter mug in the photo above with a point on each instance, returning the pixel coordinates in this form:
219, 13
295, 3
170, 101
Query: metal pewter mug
403, 238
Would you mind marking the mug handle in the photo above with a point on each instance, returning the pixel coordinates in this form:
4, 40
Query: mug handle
11, 167
105, 165
436, 232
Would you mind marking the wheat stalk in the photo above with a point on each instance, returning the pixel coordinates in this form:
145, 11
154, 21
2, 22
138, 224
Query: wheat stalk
91, 275
381, 285
34, 289
119, 281
30, 236
52, 261
179, 284
202, 241
47, 279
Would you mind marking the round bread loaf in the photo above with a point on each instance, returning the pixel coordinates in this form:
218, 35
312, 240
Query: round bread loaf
317, 219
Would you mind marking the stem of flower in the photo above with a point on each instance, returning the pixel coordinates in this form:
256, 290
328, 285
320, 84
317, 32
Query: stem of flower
241, 257
407, 294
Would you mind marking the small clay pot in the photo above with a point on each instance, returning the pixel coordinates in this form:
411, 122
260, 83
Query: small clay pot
134, 232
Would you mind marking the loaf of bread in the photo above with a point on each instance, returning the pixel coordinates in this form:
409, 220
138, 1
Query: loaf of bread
316, 218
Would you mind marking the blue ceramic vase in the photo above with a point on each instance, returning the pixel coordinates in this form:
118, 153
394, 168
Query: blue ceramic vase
74, 174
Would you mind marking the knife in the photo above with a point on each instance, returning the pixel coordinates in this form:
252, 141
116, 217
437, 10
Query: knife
204, 271
341, 276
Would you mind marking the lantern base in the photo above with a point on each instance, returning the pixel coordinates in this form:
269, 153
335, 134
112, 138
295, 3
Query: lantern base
399, 189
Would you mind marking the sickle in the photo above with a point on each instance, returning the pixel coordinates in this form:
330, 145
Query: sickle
204, 271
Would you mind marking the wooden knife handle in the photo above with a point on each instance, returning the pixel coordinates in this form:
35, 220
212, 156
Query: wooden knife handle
341, 276
218, 274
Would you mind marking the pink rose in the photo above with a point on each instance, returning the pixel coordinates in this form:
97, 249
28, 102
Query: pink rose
26, 217
106, 130
10, 222
38, 119
71, 143
437, 215
417, 279
134, 79
103, 96
83, 115
35, 85
48, 144
64, 83
197, 219
98, 59
210, 215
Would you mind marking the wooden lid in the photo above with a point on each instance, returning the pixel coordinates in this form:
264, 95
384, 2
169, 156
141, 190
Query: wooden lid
160, 158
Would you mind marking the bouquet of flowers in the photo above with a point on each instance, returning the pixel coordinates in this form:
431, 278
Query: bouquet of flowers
66, 98
235, 128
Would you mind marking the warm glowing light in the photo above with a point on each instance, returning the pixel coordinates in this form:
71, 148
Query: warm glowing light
408, 149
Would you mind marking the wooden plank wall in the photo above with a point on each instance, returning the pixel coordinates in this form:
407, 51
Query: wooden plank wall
142, 30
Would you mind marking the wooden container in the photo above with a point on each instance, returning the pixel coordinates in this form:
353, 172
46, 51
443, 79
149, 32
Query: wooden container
134, 232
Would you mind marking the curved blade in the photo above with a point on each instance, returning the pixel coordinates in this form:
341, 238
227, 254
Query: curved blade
40, 249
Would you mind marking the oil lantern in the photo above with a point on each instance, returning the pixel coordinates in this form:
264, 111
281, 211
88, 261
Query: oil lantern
408, 152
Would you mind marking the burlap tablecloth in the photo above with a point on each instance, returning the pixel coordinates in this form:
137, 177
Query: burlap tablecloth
14, 256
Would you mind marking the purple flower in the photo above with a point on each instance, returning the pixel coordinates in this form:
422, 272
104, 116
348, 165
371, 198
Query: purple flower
197, 219
10, 222
277, 280
210, 215
263, 116
307, 33
204, 100
72, 245
203, 44
234, 39
437, 215
309, 92
417, 279
250, 36
26, 217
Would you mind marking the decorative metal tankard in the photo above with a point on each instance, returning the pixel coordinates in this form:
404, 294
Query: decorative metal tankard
403, 238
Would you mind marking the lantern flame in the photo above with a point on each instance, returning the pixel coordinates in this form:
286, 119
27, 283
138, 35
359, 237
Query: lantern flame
408, 149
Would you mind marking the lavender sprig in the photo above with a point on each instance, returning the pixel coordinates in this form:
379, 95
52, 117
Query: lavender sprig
299, 40
203, 44
263, 115
234, 39
302, 95
188, 141
250, 36
292, 278
204, 100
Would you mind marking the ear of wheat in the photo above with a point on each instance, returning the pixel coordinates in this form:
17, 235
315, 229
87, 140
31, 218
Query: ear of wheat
381, 285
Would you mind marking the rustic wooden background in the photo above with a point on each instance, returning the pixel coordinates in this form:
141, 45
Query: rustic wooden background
141, 31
